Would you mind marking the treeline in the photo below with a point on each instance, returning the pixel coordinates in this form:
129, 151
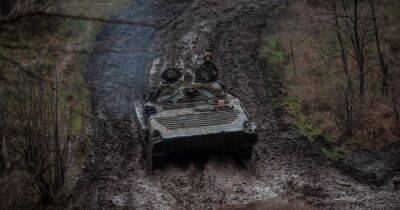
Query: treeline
344, 70
35, 122
44, 100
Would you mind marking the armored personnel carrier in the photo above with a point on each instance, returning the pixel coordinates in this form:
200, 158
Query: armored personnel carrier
180, 118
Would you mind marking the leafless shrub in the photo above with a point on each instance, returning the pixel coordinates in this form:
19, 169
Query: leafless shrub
347, 70
33, 136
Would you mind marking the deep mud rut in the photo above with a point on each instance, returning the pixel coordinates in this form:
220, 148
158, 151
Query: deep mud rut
284, 165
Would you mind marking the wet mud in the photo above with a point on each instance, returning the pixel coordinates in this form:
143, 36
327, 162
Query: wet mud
284, 164
270, 204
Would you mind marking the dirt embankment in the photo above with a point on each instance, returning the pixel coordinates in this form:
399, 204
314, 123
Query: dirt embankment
284, 164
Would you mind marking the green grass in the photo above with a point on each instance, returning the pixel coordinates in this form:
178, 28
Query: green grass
303, 122
77, 124
333, 154
274, 53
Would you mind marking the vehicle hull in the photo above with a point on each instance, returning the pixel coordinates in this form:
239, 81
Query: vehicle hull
232, 143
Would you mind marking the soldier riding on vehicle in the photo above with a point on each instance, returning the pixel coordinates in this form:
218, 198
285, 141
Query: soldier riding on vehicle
207, 72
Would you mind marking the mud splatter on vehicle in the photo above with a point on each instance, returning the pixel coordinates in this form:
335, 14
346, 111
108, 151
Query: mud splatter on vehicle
186, 119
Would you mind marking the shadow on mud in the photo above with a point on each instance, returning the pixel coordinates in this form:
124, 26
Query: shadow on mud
200, 160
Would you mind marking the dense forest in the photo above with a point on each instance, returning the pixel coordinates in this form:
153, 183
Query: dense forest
336, 64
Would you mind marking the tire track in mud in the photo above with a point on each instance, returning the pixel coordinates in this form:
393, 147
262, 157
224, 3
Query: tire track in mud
283, 164
220, 180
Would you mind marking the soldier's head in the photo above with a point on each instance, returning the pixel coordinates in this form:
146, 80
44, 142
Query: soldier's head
207, 56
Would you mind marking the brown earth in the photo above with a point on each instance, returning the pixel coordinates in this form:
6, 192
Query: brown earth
284, 164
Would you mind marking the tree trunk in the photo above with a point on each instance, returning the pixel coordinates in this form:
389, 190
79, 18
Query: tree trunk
346, 71
383, 66
4, 163
46, 197
292, 54
359, 51
353, 31
395, 106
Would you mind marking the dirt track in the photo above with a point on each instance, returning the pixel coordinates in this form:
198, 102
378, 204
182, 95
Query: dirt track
284, 165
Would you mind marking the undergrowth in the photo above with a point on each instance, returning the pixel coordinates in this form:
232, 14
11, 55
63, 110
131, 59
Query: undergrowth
46, 51
279, 69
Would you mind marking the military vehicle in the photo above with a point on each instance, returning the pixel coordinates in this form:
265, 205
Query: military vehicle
180, 118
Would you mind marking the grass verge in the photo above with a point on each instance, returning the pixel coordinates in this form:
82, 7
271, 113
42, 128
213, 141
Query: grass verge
281, 72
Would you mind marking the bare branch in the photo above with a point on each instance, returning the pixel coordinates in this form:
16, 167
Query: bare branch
76, 17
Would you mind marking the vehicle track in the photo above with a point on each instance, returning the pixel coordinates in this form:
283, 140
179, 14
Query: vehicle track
284, 164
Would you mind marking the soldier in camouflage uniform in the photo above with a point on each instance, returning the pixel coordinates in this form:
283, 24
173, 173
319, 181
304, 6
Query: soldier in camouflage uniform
207, 72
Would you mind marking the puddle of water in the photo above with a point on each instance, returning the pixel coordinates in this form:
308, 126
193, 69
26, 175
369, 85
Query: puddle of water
273, 204
119, 74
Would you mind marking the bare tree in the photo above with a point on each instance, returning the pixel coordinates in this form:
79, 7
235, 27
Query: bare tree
34, 137
382, 62
394, 96
33, 132
4, 162
357, 39
349, 125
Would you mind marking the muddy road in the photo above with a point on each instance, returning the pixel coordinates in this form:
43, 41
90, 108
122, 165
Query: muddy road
284, 164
